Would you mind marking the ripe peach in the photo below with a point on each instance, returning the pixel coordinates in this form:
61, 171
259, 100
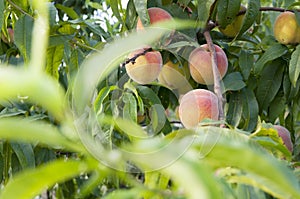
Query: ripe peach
286, 29
196, 105
146, 68
174, 75
231, 30
201, 65
156, 15
285, 136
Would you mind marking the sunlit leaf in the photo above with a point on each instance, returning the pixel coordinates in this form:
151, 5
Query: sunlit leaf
294, 66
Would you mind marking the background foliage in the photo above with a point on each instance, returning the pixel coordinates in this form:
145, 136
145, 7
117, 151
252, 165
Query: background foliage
70, 120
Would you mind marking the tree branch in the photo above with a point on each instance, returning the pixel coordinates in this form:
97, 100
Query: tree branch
217, 76
132, 59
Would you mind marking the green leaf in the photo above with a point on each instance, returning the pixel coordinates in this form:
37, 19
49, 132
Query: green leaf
102, 95
204, 7
294, 66
271, 53
235, 109
246, 62
38, 88
25, 154
148, 95
141, 9
130, 15
56, 40
54, 59
269, 83
236, 150
2, 9
250, 109
251, 14
69, 11
130, 107
227, 11
277, 106
158, 118
233, 82
32, 182
33, 132
22, 36
115, 4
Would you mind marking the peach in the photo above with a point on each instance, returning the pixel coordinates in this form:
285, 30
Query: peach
197, 105
10, 38
174, 75
146, 68
156, 15
286, 29
285, 136
200, 64
231, 30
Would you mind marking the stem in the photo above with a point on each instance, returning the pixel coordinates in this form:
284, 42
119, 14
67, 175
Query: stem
19, 8
275, 9
217, 76
132, 60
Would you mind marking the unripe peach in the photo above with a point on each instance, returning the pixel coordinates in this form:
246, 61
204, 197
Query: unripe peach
174, 75
146, 68
286, 28
231, 30
197, 105
156, 15
201, 65
285, 136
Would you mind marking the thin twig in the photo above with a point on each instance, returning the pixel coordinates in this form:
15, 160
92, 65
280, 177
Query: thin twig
19, 8
217, 76
132, 59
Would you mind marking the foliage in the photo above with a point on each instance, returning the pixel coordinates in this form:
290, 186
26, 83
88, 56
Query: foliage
70, 117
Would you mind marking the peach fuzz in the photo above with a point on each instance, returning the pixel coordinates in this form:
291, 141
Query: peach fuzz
285, 136
200, 64
156, 15
197, 105
146, 68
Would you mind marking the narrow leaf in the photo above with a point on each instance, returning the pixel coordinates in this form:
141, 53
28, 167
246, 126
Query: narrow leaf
54, 59
271, 53
294, 66
251, 14
141, 9
32, 182
246, 62
25, 154
23, 34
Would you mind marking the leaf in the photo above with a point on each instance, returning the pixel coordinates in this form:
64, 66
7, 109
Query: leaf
277, 106
38, 88
69, 11
233, 82
204, 7
141, 9
236, 150
130, 107
250, 109
25, 154
235, 109
269, 83
33, 132
130, 15
2, 9
227, 11
56, 40
32, 182
272, 53
115, 8
148, 95
22, 36
294, 66
251, 14
102, 95
158, 118
54, 59
246, 62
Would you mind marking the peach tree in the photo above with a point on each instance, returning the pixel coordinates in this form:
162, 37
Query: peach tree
149, 99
